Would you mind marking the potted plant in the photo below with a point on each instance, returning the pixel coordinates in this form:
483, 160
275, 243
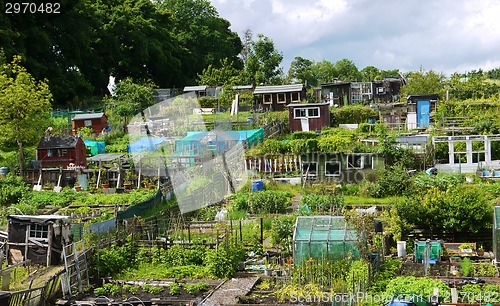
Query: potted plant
104, 179
130, 177
466, 247
480, 251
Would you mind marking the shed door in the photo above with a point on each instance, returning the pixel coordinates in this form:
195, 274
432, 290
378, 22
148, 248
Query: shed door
423, 111
304, 122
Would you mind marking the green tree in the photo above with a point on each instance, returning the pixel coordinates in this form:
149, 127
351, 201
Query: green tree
421, 83
263, 63
324, 72
131, 98
301, 71
347, 70
203, 35
225, 75
25, 105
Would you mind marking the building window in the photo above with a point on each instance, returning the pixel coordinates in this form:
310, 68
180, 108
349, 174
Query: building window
281, 98
309, 168
39, 231
312, 112
87, 122
333, 168
355, 161
267, 99
295, 97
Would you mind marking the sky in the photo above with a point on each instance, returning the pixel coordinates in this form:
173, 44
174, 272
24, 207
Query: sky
446, 36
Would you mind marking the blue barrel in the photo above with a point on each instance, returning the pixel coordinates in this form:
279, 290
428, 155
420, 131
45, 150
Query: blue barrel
4, 170
257, 186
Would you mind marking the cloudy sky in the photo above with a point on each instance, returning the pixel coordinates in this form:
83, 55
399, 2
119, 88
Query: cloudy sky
443, 35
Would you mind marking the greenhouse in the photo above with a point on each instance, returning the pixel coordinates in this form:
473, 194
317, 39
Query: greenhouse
496, 230
320, 237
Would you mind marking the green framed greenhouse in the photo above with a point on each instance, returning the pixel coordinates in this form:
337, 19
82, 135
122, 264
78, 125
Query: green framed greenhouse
323, 237
496, 230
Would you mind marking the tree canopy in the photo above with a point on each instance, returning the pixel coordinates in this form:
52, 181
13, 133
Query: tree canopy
25, 105
169, 42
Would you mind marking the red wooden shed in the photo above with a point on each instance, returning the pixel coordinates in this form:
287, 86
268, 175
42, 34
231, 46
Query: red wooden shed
97, 121
308, 116
60, 151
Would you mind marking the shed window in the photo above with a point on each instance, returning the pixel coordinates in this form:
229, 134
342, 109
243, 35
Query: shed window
332, 168
88, 122
39, 231
309, 168
267, 99
281, 98
358, 162
312, 112
295, 97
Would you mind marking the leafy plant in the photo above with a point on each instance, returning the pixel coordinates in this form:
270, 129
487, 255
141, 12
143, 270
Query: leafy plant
466, 267
195, 288
174, 288
152, 289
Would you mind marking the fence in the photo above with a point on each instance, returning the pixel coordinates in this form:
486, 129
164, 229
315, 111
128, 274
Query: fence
281, 163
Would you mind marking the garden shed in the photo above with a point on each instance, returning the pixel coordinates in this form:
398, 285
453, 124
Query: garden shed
37, 238
61, 151
323, 237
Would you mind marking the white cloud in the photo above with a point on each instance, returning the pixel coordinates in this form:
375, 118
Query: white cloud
388, 34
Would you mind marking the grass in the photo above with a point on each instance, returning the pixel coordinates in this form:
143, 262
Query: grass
354, 200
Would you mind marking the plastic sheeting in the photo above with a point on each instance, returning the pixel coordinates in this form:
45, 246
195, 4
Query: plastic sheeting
145, 144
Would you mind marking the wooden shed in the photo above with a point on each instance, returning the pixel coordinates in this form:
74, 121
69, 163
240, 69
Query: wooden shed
97, 121
275, 98
37, 238
60, 151
308, 116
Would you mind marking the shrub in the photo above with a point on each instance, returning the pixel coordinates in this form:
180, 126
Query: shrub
152, 289
269, 201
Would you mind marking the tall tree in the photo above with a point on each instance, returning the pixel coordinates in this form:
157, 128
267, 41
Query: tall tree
347, 70
225, 75
263, 63
204, 36
324, 72
131, 98
25, 105
301, 70
421, 83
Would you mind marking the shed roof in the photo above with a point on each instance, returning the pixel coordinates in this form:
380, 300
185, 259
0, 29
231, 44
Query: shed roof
58, 142
37, 218
278, 88
104, 157
194, 88
88, 116
307, 104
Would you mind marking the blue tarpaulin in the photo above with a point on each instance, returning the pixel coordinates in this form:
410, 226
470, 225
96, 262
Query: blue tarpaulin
145, 144
217, 141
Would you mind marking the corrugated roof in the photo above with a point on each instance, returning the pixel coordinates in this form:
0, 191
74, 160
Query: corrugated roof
243, 87
57, 142
278, 88
194, 88
88, 116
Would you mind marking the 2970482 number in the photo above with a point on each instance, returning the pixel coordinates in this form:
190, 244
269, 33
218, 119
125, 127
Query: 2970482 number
32, 8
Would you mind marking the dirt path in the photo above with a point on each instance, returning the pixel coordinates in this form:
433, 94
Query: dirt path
228, 293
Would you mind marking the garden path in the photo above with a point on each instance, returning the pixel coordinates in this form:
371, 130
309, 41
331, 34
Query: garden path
228, 293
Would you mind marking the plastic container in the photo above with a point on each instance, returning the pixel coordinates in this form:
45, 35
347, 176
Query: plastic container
401, 248
257, 186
